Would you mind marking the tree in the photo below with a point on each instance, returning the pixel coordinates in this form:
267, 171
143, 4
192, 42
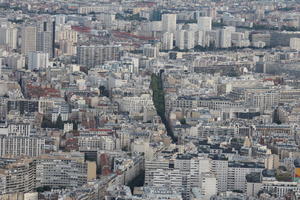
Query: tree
158, 96
43, 189
276, 118
103, 91
46, 123
233, 73
75, 125
183, 121
59, 123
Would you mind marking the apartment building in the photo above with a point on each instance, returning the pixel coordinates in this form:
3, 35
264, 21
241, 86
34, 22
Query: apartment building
21, 146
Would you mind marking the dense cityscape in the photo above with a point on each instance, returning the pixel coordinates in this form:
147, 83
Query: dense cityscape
149, 100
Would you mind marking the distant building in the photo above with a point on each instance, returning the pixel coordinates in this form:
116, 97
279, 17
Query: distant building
185, 39
60, 171
38, 60
9, 37
169, 23
167, 41
21, 146
295, 43
18, 177
91, 56
29, 39
204, 23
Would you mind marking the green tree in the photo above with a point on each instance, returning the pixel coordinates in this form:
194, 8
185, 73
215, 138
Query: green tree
75, 126
183, 121
46, 123
59, 123
159, 102
103, 91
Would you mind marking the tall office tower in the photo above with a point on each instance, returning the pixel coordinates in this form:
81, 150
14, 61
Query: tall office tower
225, 37
46, 37
37, 60
169, 23
18, 177
179, 39
167, 41
91, 56
29, 39
8, 37
204, 23
12, 37
185, 39
189, 39
18, 146
200, 38
3, 35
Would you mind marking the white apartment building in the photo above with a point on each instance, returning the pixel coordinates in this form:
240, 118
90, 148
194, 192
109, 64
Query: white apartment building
220, 169
276, 188
262, 99
59, 171
208, 185
19, 129
150, 51
136, 104
93, 55
204, 23
166, 192
151, 166
295, 43
21, 146
169, 177
66, 33
191, 169
187, 168
225, 37
169, 23
280, 188
237, 174
185, 39
96, 143
200, 38
38, 60
9, 37
167, 41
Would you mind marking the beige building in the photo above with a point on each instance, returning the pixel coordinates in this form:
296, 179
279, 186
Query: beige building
295, 43
91, 170
272, 161
29, 39
18, 177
